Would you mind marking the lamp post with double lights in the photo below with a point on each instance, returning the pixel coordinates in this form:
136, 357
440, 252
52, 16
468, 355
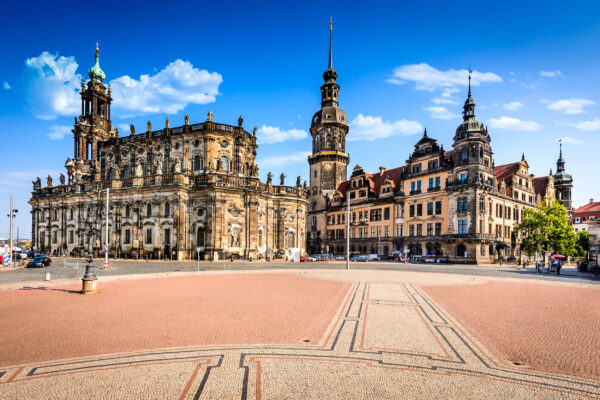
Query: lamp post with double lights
11, 215
89, 280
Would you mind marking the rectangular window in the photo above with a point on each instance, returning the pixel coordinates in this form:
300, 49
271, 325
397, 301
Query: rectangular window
352, 195
430, 182
419, 230
437, 181
430, 208
376, 214
386, 231
508, 212
438, 229
429, 229
418, 185
416, 168
459, 205
362, 193
413, 186
419, 210
167, 236
149, 236
462, 226
70, 236
373, 231
399, 230
463, 177
411, 210
438, 207
54, 237
411, 230
127, 236
386, 213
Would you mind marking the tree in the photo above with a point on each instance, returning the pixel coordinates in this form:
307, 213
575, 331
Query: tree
583, 242
546, 228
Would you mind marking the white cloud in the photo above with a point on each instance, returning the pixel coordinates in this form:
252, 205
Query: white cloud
593, 125
6, 85
274, 134
440, 112
430, 78
551, 74
58, 132
276, 161
366, 127
568, 139
168, 91
24, 178
514, 124
443, 100
52, 85
569, 106
123, 129
513, 106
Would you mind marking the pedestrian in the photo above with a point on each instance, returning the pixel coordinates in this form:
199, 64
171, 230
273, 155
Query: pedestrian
558, 266
524, 262
1, 261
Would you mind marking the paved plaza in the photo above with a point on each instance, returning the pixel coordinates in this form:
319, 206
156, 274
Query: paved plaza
301, 333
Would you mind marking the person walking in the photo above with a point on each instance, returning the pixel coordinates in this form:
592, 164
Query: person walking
558, 266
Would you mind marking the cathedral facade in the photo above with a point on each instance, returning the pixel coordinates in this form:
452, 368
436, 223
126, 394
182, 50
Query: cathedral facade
184, 192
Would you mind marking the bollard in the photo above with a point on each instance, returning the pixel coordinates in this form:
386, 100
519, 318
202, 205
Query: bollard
47, 276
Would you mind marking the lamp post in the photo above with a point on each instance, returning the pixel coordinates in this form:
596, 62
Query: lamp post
89, 280
11, 215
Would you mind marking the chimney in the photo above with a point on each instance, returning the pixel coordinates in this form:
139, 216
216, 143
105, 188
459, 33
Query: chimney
591, 201
381, 170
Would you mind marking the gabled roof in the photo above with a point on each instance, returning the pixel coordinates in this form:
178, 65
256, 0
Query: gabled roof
595, 206
376, 180
587, 211
540, 185
505, 172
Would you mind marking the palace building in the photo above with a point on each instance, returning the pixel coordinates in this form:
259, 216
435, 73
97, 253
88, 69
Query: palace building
456, 205
176, 192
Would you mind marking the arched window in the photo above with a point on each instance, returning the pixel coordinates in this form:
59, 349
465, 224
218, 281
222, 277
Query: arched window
314, 206
197, 163
225, 163
167, 209
200, 237
290, 240
464, 156
149, 210
460, 250
127, 211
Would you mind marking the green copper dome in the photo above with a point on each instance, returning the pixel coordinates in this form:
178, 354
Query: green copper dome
96, 73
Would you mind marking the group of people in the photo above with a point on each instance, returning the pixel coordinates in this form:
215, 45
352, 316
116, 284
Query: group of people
554, 264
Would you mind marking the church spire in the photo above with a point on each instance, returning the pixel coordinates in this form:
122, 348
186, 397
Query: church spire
469, 107
330, 75
560, 163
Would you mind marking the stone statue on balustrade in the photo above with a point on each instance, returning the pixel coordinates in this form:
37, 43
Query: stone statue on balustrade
282, 179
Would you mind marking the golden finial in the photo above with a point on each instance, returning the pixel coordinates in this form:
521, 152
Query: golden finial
97, 46
330, 23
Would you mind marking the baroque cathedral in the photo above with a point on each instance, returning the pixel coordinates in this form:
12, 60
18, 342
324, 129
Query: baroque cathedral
184, 192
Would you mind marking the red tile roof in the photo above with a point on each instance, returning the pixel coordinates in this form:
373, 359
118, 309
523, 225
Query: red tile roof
589, 210
376, 180
505, 172
540, 185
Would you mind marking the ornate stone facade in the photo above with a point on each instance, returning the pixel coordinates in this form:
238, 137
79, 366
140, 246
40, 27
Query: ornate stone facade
177, 192
456, 205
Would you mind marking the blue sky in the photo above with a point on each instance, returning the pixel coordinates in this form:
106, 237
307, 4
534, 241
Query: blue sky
401, 67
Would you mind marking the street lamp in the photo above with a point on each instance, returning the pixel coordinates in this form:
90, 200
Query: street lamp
11, 215
89, 280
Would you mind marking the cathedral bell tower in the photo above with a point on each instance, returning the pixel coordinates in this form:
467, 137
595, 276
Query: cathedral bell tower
93, 126
329, 127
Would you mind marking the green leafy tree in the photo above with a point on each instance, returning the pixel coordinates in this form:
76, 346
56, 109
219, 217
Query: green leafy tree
583, 242
546, 228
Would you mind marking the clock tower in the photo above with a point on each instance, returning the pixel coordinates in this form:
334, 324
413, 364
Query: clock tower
328, 161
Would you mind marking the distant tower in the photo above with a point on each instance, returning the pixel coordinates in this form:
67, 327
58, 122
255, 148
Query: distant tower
94, 123
563, 183
329, 161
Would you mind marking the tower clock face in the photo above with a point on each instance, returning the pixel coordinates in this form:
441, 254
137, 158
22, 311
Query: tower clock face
327, 166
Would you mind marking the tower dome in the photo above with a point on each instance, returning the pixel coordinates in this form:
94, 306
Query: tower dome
95, 73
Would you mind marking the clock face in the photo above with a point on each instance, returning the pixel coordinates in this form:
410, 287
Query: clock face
327, 166
224, 143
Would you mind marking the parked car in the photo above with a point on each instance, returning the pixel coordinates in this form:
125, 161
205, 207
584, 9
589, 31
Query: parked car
360, 258
339, 258
39, 262
306, 259
373, 257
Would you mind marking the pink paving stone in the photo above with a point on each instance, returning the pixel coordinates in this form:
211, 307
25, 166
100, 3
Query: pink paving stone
39, 325
550, 328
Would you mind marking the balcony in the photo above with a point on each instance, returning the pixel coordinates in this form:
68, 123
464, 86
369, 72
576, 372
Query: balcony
434, 189
414, 192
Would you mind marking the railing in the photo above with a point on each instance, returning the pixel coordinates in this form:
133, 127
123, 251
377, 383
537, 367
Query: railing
413, 192
434, 189
127, 182
149, 181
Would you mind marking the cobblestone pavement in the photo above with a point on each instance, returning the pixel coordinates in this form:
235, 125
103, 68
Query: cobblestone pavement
76, 268
310, 334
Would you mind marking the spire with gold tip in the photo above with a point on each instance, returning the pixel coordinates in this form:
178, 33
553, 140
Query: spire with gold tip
330, 75
95, 73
